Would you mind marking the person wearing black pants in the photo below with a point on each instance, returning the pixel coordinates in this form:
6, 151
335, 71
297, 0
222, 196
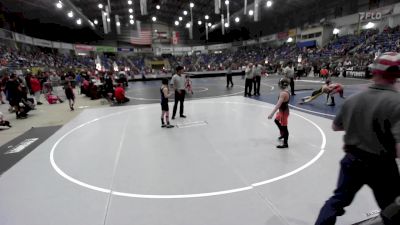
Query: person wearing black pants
178, 82
371, 121
249, 80
288, 72
229, 76
257, 79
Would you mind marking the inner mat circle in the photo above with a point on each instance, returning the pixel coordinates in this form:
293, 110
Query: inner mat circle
234, 152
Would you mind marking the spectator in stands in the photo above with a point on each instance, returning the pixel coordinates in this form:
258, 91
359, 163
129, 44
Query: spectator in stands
119, 94
36, 89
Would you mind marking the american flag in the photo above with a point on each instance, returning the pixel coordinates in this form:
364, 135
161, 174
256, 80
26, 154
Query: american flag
142, 37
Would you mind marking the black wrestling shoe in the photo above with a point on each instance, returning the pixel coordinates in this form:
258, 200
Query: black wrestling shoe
163, 125
170, 126
183, 116
283, 146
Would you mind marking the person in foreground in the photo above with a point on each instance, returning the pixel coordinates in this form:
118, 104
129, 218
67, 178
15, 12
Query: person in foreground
371, 121
282, 116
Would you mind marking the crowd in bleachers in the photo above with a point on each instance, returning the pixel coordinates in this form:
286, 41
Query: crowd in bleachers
359, 49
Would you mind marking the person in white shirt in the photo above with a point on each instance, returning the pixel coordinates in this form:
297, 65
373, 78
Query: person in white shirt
288, 72
178, 83
257, 79
249, 75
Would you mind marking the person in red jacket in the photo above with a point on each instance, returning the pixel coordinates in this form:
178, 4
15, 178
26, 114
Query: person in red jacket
36, 88
119, 94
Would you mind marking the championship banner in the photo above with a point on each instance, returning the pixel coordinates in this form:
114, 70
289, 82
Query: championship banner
43, 43
23, 38
105, 49
292, 32
175, 37
125, 49
86, 48
282, 35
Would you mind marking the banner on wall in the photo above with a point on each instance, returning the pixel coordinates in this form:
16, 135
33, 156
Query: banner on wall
219, 46
143, 50
56, 44
125, 49
268, 38
237, 44
42, 42
23, 38
282, 35
67, 46
292, 32
175, 37
86, 48
5, 34
199, 48
166, 50
105, 49
250, 42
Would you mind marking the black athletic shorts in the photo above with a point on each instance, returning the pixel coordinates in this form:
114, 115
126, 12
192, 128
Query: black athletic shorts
164, 106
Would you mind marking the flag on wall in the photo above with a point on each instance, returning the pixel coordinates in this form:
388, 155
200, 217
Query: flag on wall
175, 37
143, 7
142, 37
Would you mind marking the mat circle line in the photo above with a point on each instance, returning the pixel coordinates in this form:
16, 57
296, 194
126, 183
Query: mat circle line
183, 196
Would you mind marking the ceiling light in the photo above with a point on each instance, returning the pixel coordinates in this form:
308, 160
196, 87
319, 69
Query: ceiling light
269, 3
105, 13
108, 19
129, 2
118, 24
251, 12
226, 24
290, 39
96, 22
176, 23
59, 5
131, 21
185, 12
180, 18
79, 21
70, 14
336, 31
130, 10
206, 17
237, 19
158, 7
188, 25
100, 6
154, 19
199, 22
209, 24
191, 5
369, 25
226, 2
130, 16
